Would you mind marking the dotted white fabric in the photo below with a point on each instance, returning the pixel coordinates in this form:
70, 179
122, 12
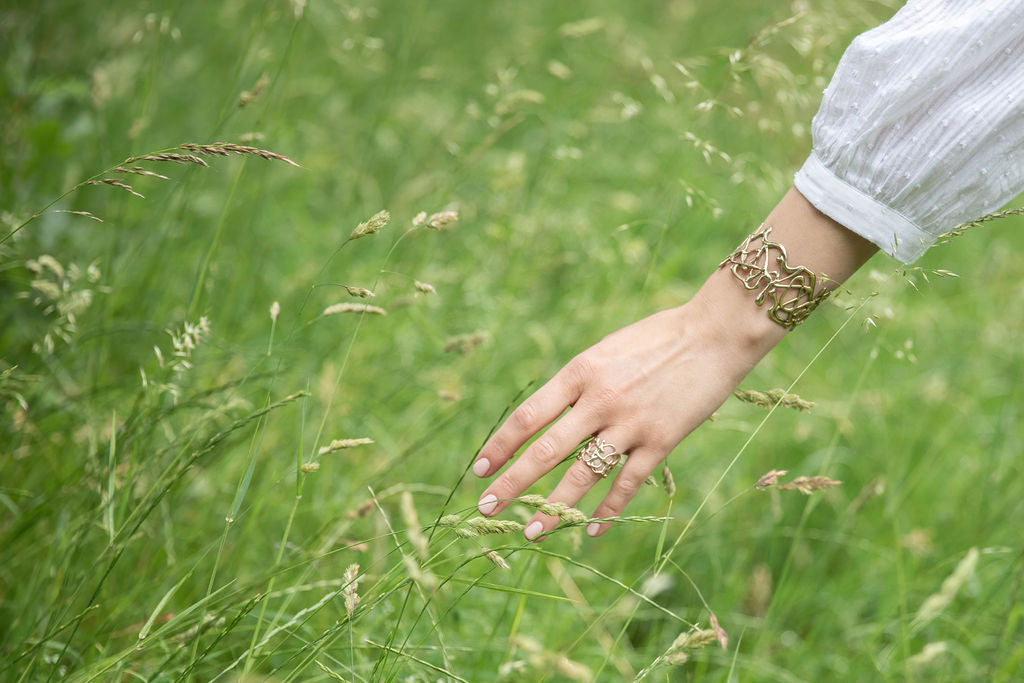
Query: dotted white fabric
922, 126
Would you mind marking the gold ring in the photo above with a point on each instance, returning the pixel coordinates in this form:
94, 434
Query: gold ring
600, 456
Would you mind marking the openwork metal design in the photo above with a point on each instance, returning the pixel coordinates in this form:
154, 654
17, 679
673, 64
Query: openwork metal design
600, 456
760, 264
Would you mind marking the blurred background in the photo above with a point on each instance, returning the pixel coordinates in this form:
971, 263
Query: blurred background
166, 510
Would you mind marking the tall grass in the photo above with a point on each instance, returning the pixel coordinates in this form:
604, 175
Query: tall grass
221, 460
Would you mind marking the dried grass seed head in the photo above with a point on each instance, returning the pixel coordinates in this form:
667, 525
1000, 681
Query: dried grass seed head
496, 559
937, 602
442, 219
372, 225
808, 485
138, 170
342, 444
464, 343
771, 397
769, 478
668, 482
173, 157
335, 309
351, 586
412, 523
228, 148
115, 183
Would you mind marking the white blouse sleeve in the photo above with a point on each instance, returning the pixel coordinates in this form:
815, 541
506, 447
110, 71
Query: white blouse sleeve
922, 126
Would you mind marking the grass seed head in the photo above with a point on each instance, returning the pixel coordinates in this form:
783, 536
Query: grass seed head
138, 170
364, 509
116, 183
928, 655
808, 485
308, 467
693, 639
335, 309
676, 658
359, 292
172, 157
342, 444
372, 225
668, 482
424, 577
769, 478
720, 634
561, 510
87, 214
441, 219
936, 603
759, 593
275, 310
224, 149
249, 96
496, 559
482, 526
351, 586
464, 343
768, 399
412, 522
425, 287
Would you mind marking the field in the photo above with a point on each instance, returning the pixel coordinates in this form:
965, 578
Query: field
175, 368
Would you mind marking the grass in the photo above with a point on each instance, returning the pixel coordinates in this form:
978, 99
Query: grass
180, 523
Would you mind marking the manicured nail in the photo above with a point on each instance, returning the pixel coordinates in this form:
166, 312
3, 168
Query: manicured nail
593, 528
487, 504
481, 466
533, 531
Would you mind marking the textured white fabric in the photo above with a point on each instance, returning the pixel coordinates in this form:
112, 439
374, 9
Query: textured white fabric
922, 126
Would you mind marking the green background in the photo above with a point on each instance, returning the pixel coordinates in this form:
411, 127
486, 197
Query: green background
603, 157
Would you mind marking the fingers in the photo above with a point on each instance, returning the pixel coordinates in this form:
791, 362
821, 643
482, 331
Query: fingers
628, 481
543, 454
530, 417
578, 479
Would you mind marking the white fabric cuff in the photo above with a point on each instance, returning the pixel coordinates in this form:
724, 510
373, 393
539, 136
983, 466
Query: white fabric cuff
890, 230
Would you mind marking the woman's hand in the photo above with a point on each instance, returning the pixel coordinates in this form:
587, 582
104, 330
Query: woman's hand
647, 386
643, 389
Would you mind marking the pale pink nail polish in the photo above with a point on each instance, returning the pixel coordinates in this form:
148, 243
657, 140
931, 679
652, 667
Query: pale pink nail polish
593, 528
533, 531
487, 504
481, 466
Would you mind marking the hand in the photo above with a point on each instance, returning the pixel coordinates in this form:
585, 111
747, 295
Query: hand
647, 386
643, 388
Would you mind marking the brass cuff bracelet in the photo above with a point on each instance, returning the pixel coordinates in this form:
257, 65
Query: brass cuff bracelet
760, 264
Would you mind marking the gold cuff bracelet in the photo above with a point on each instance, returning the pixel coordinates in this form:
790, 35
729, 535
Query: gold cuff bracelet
760, 264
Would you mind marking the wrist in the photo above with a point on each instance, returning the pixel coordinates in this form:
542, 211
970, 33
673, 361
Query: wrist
735, 322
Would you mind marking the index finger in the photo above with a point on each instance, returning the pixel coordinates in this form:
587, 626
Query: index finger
537, 411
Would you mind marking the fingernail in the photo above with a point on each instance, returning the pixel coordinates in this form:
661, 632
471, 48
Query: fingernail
533, 531
481, 466
593, 528
487, 504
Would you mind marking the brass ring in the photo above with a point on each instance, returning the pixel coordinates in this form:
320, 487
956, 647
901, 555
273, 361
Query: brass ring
600, 456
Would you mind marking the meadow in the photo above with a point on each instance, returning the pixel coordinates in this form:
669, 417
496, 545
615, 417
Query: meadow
237, 412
